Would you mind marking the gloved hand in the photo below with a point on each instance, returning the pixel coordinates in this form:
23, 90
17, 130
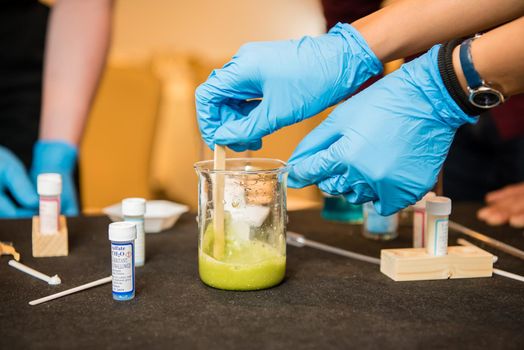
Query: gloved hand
15, 180
296, 80
387, 143
57, 157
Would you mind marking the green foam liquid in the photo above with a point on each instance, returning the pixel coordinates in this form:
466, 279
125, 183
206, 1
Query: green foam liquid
247, 265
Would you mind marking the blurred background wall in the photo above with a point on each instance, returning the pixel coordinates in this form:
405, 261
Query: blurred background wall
142, 137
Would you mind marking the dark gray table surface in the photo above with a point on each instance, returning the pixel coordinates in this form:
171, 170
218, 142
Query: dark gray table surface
325, 302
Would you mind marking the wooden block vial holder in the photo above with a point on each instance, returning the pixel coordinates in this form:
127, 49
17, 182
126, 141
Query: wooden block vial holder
415, 264
52, 244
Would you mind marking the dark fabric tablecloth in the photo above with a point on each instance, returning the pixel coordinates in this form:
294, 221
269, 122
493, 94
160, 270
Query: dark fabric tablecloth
325, 302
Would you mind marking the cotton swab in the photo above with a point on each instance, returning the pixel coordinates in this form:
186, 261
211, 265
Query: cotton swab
299, 240
71, 291
53, 280
464, 242
507, 274
218, 198
488, 240
499, 272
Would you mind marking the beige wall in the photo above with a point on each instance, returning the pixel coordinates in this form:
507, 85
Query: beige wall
142, 137
210, 28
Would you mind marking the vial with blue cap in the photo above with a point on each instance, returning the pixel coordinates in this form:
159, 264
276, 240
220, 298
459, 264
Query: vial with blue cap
122, 236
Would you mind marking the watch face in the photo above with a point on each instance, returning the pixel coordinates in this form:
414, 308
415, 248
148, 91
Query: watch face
486, 97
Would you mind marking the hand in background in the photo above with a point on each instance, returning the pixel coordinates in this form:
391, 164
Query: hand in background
57, 157
387, 143
18, 197
296, 79
504, 206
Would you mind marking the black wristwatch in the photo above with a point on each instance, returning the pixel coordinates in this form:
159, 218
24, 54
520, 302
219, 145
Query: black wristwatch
481, 93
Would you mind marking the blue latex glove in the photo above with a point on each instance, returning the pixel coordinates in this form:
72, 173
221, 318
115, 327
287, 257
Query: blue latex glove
387, 143
57, 157
15, 181
296, 80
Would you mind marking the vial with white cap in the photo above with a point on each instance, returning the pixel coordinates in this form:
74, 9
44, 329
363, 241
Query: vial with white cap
49, 188
133, 210
437, 218
419, 221
122, 236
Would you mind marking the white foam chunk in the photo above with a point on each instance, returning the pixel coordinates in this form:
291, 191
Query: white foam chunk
234, 195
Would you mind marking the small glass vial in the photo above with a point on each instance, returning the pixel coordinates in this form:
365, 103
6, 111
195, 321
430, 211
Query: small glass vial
379, 227
49, 188
122, 236
337, 208
437, 218
419, 221
133, 210
405, 217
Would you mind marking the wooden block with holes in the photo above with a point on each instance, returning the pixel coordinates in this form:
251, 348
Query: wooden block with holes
50, 244
414, 264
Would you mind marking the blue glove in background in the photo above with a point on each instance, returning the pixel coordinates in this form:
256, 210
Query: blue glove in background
387, 143
57, 157
296, 79
15, 181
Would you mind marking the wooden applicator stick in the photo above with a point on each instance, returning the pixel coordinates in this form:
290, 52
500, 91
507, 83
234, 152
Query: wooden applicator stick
218, 197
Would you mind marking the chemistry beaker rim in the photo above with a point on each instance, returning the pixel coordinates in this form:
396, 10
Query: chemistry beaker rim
284, 167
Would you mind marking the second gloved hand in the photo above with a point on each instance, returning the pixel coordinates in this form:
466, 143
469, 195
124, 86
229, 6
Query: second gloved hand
387, 143
296, 79
58, 157
18, 196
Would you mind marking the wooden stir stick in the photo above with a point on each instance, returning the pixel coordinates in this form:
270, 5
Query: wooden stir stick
218, 196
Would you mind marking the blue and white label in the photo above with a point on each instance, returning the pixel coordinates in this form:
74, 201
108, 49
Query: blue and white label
440, 245
123, 267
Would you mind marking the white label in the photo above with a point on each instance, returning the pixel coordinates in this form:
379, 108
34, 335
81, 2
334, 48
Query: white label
123, 267
48, 214
418, 229
140, 242
441, 237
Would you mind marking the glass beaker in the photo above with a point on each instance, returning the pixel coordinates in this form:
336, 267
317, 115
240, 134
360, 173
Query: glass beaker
379, 227
253, 255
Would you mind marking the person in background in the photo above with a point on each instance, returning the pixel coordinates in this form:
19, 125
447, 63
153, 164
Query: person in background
49, 73
387, 143
486, 159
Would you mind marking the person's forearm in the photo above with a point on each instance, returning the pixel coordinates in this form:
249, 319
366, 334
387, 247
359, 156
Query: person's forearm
498, 57
76, 49
411, 26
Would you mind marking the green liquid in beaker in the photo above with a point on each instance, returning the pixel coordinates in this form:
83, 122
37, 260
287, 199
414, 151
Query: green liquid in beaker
247, 264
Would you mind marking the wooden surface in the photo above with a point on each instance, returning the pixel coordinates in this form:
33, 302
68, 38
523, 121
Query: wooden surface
50, 245
415, 264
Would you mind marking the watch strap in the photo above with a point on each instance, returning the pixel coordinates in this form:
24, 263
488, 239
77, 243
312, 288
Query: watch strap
466, 62
450, 80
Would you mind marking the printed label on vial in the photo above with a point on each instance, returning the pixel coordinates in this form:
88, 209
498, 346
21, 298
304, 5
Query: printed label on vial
441, 237
418, 228
140, 241
48, 215
122, 263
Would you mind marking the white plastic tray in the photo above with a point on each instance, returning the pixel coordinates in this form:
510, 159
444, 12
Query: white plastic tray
160, 214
